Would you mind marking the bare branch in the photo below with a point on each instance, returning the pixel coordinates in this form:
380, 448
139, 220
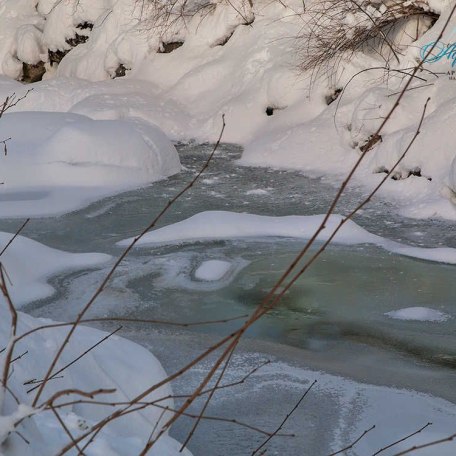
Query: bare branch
348, 447
402, 439
427, 445
284, 420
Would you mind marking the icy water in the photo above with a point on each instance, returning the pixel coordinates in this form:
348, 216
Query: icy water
333, 320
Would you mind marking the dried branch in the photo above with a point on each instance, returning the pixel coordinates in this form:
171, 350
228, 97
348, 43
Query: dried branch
12, 310
77, 392
427, 445
11, 101
337, 29
348, 447
120, 259
284, 420
403, 439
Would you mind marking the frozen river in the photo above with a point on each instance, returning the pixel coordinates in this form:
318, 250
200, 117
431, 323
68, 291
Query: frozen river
332, 321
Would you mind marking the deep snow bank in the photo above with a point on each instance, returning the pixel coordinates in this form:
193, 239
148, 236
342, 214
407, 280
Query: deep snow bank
241, 59
111, 365
58, 162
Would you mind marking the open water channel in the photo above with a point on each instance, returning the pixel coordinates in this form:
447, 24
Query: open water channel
333, 320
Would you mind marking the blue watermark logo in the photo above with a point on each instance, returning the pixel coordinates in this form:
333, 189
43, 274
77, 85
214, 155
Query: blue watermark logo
438, 51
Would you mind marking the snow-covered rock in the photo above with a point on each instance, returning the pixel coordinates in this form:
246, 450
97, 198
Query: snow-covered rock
57, 162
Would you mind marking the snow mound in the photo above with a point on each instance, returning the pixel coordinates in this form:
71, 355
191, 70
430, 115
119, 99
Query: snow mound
29, 263
418, 314
58, 162
212, 225
110, 365
212, 270
225, 225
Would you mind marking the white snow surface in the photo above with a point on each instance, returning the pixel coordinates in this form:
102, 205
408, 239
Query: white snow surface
210, 225
111, 365
239, 59
57, 162
212, 270
28, 264
418, 314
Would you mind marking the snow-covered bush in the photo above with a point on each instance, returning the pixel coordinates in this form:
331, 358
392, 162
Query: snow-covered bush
104, 38
337, 29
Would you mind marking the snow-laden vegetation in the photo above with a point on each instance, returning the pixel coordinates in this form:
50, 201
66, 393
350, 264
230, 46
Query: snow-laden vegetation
271, 67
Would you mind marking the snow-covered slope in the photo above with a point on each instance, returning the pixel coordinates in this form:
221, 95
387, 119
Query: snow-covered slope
115, 363
186, 66
57, 162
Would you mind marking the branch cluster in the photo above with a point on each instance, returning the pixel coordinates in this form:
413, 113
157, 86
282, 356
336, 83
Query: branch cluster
336, 29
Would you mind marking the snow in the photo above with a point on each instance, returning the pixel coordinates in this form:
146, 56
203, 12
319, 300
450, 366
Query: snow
212, 270
418, 314
29, 264
57, 162
212, 225
239, 59
109, 366
80, 136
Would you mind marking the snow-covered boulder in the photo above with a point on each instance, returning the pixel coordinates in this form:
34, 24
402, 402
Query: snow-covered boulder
57, 161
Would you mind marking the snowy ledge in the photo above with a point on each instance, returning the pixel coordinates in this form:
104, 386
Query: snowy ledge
212, 225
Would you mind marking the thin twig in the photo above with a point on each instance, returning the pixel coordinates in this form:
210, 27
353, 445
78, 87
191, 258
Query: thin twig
427, 445
120, 259
348, 447
402, 439
284, 420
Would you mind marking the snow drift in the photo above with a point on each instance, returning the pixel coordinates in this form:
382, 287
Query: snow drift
28, 264
185, 64
57, 162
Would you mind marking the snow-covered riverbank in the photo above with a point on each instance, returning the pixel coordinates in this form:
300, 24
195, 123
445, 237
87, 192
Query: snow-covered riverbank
113, 364
242, 60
